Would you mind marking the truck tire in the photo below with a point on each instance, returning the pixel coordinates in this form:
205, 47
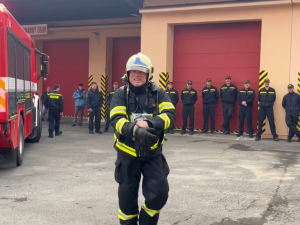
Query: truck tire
20, 149
39, 131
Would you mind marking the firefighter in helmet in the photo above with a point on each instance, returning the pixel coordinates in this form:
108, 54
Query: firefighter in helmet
140, 112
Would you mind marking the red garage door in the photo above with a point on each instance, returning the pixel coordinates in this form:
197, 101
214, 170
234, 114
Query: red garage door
69, 66
215, 51
123, 48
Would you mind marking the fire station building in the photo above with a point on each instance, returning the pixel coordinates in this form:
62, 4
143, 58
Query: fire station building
189, 39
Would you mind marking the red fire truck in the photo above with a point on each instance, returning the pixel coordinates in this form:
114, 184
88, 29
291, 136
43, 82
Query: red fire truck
20, 118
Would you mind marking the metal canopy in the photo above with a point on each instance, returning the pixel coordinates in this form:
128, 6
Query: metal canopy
43, 11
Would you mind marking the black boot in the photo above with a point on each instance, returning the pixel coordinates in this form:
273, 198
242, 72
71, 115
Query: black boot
171, 131
183, 132
257, 138
59, 133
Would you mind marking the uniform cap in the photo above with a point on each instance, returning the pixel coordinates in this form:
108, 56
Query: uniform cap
267, 80
170, 82
189, 82
116, 83
247, 82
227, 78
55, 86
290, 86
80, 85
208, 80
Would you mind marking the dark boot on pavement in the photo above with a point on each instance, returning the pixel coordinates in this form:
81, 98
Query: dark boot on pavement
213, 131
171, 131
204, 131
50, 136
105, 131
99, 132
239, 135
74, 124
250, 135
257, 138
91, 132
183, 132
289, 140
59, 133
276, 139
191, 132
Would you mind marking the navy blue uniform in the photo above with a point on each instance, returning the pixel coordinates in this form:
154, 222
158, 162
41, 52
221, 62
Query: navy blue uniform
228, 96
210, 96
266, 100
173, 94
55, 103
291, 104
248, 96
110, 96
188, 98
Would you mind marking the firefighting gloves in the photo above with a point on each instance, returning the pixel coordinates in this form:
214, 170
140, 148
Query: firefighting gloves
145, 135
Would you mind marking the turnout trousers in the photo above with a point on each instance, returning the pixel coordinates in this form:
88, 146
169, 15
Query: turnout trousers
155, 187
107, 120
188, 110
291, 120
97, 114
54, 121
245, 112
262, 114
209, 110
227, 115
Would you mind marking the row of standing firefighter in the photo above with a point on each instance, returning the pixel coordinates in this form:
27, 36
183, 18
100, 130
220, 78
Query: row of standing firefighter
245, 97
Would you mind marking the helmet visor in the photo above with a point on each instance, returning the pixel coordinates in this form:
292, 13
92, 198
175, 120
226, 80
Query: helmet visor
138, 68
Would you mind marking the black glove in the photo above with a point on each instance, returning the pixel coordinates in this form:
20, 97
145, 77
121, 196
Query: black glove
146, 136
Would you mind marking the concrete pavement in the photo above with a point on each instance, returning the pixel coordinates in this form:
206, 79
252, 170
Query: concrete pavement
214, 180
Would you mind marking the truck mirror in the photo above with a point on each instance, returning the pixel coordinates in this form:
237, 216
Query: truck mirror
44, 65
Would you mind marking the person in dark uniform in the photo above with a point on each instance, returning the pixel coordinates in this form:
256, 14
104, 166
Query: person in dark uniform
228, 96
110, 95
210, 96
266, 98
245, 98
291, 104
173, 94
94, 101
140, 112
55, 105
189, 98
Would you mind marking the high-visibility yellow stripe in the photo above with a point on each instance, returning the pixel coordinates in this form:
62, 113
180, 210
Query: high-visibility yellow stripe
173, 92
120, 124
205, 90
243, 91
165, 105
54, 94
271, 92
54, 97
123, 216
150, 212
263, 92
118, 110
166, 119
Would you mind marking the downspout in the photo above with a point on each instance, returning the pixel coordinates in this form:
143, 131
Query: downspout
292, 3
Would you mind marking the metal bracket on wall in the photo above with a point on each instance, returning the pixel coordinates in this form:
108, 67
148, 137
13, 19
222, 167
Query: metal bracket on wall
97, 35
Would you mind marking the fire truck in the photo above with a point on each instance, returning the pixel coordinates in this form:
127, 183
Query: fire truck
20, 118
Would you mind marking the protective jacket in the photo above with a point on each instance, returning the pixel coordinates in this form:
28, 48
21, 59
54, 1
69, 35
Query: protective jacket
189, 97
246, 95
173, 94
291, 103
266, 97
210, 95
154, 102
94, 99
110, 95
228, 94
54, 101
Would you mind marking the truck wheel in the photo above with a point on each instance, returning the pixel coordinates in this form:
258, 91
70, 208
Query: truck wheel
20, 148
39, 131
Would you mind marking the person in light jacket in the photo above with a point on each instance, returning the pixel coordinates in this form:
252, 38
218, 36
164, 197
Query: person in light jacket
79, 96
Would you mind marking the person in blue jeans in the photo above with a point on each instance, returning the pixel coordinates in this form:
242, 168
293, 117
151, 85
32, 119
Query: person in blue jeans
44, 96
79, 96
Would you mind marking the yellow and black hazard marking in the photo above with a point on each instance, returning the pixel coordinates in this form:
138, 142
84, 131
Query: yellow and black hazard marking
298, 89
104, 91
90, 81
65, 116
163, 80
263, 75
